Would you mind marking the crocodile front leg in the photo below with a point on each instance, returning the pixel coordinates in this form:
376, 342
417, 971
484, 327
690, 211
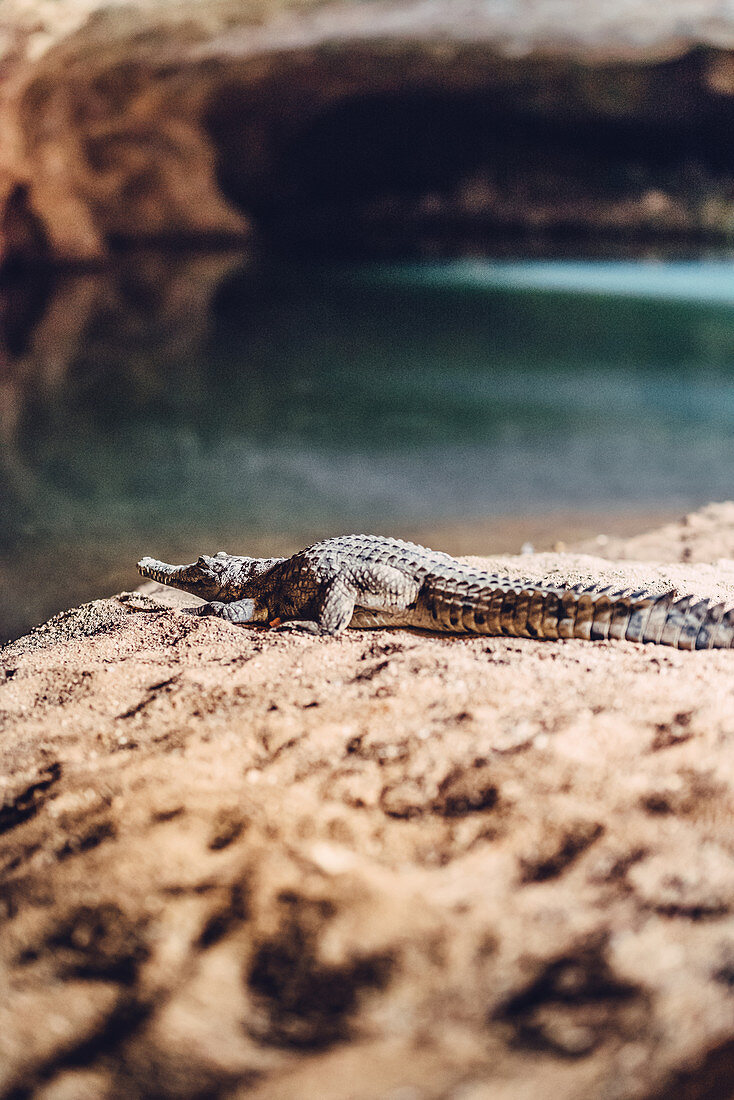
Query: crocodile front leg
367, 587
335, 610
238, 612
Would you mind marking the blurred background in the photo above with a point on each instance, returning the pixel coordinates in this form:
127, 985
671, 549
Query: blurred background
456, 272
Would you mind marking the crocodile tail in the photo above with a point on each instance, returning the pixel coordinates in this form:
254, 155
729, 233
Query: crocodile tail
684, 622
523, 609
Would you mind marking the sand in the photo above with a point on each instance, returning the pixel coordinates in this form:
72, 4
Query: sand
381, 865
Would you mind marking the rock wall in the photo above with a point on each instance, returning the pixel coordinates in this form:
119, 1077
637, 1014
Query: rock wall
406, 122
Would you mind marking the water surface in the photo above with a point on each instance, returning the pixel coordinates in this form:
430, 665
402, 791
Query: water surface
177, 403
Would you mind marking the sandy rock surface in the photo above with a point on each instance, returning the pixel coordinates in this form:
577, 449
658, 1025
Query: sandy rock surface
703, 536
382, 865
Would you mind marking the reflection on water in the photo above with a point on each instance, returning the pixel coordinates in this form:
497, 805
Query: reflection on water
176, 402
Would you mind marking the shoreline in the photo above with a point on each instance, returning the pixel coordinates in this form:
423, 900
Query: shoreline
110, 567
561, 530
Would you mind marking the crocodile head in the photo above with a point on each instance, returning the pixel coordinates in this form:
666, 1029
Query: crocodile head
222, 577
204, 577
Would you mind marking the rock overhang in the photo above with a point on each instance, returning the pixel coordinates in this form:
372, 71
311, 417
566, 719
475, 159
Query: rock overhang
312, 123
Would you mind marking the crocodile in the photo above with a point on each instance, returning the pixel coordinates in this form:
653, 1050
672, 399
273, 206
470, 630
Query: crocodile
367, 581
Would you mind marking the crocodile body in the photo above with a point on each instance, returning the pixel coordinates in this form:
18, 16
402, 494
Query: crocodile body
368, 581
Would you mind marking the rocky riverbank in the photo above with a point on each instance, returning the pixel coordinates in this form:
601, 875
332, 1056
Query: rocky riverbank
380, 865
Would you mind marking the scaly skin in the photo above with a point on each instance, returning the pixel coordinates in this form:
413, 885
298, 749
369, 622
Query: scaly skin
368, 581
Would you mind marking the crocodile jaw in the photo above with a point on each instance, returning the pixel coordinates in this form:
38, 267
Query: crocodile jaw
199, 578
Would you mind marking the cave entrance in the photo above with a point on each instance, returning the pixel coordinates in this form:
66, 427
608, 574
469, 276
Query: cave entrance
451, 167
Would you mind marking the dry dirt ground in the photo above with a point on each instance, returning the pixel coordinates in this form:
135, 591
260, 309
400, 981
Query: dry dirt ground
381, 866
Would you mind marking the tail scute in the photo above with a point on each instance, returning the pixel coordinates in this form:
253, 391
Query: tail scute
684, 622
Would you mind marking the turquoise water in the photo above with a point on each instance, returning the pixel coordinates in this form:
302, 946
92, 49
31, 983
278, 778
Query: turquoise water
175, 403
691, 281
